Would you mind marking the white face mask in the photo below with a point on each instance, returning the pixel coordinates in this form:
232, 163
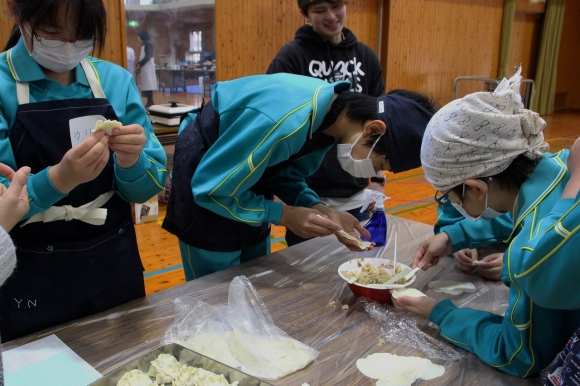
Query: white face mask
59, 59
358, 168
488, 213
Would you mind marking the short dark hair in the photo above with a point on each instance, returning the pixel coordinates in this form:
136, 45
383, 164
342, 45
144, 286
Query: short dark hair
303, 5
359, 107
513, 177
428, 103
143, 35
91, 15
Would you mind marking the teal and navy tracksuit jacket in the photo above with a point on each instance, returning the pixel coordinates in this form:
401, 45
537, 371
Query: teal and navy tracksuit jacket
258, 138
541, 267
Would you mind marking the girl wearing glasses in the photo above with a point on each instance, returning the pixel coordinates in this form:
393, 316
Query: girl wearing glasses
76, 248
498, 163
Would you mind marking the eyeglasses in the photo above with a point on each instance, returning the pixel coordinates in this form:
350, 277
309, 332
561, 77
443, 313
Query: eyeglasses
56, 42
442, 198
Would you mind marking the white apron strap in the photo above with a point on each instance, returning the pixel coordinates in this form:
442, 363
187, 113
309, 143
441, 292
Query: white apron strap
92, 78
23, 90
91, 213
22, 93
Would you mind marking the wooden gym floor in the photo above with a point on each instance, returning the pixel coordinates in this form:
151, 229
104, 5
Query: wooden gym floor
411, 198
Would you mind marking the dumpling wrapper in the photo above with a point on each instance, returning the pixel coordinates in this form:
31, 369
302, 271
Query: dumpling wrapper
407, 292
165, 368
135, 378
107, 126
394, 370
361, 244
452, 287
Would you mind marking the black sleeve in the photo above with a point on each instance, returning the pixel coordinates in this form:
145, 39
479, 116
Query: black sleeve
148, 53
377, 83
285, 61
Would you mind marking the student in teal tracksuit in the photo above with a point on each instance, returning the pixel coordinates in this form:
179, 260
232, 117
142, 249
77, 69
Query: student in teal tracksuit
260, 136
77, 250
485, 154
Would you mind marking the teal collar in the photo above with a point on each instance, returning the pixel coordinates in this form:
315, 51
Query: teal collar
322, 98
549, 172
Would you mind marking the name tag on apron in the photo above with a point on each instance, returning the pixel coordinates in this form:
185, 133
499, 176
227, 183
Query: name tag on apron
80, 128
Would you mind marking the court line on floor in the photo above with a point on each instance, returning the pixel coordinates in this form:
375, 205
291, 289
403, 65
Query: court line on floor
163, 270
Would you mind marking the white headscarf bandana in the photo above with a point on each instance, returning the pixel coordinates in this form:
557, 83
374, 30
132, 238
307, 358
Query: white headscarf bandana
480, 135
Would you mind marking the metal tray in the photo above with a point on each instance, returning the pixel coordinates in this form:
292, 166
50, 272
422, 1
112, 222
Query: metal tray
184, 356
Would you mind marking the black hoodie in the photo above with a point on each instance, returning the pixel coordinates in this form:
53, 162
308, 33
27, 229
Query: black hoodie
311, 55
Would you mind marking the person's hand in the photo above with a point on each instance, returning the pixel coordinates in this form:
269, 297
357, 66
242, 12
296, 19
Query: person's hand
14, 199
307, 222
378, 187
465, 259
81, 164
347, 223
422, 305
127, 142
490, 266
430, 251
573, 185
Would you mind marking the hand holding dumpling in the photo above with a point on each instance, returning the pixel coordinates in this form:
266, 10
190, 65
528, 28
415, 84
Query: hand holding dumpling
127, 142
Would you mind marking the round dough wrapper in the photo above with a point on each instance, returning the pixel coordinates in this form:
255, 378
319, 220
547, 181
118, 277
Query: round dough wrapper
407, 292
394, 370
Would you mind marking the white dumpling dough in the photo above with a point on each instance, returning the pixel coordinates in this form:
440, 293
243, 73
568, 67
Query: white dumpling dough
361, 244
107, 126
135, 378
452, 287
165, 368
394, 370
407, 292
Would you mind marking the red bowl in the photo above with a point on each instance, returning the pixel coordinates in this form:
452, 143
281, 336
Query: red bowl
380, 295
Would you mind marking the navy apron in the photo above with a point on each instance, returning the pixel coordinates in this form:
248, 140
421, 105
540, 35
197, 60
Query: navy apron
67, 269
200, 227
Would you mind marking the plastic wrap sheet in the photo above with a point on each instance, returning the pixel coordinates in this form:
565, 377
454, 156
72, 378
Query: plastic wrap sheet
303, 296
241, 334
312, 311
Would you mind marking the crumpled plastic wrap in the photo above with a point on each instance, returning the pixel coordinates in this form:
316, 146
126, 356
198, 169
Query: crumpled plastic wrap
241, 335
405, 328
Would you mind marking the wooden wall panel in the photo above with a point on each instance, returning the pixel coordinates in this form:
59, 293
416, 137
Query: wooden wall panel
6, 24
525, 43
568, 80
431, 42
529, 7
249, 33
114, 49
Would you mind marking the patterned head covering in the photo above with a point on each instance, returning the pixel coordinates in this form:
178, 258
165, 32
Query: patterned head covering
480, 135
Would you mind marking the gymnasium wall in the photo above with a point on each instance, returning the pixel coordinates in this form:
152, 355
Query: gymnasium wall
424, 44
249, 33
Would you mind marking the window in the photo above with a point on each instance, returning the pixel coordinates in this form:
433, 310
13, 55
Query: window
195, 41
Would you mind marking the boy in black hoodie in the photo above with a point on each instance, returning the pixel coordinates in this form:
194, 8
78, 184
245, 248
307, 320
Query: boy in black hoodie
328, 51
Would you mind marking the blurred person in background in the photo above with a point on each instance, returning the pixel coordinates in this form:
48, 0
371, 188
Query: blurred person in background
146, 67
